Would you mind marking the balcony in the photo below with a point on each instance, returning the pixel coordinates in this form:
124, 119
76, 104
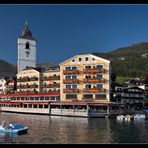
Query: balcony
70, 72
10, 86
71, 91
88, 99
54, 85
50, 78
26, 79
93, 71
94, 90
93, 80
50, 85
70, 81
33, 86
54, 77
53, 92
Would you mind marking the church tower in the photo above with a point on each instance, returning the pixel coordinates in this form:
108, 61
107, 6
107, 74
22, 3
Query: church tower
26, 50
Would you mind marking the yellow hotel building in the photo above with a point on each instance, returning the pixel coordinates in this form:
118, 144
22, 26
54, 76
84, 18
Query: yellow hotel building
85, 78
28, 81
51, 81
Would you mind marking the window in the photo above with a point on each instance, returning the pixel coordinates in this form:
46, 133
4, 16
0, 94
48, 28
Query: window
45, 89
87, 86
100, 96
68, 77
86, 58
73, 60
99, 86
74, 86
74, 77
99, 76
87, 67
93, 59
68, 86
87, 76
71, 77
27, 45
74, 68
71, 96
88, 96
68, 68
80, 59
99, 66
41, 98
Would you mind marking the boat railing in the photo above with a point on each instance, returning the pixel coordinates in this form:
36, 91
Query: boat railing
133, 111
116, 112
97, 111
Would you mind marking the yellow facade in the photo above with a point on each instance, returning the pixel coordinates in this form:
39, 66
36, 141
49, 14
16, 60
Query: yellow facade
51, 81
28, 81
10, 87
85, 78
33, 81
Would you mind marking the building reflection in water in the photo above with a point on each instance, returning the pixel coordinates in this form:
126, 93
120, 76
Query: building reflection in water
74, 130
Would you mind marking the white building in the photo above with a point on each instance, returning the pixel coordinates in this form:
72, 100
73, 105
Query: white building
2, 85
26, 50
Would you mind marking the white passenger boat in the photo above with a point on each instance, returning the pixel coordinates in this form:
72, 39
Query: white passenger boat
128, 117
120, 117
139, 116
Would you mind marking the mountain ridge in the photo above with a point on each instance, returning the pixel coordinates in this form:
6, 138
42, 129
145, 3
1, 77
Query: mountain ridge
130, 61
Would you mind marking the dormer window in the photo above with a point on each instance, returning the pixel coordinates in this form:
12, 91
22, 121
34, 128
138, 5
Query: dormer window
27, 46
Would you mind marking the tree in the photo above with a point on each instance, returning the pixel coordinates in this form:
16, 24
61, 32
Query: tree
113, 77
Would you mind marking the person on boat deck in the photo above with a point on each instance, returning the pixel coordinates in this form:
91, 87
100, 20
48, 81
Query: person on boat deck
10, 126
4, 124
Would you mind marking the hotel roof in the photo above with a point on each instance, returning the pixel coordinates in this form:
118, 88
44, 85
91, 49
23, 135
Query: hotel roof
93, 56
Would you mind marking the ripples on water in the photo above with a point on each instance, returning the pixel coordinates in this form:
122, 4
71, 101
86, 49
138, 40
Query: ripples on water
72, 130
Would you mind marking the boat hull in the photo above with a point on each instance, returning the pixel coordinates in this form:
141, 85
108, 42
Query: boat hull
146, 113
14, 131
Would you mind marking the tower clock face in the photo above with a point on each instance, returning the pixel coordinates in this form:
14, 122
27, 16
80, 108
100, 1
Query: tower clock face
27, 53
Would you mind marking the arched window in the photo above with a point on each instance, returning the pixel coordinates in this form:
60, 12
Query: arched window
27, 45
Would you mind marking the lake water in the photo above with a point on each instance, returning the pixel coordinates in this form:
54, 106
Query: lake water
73, 130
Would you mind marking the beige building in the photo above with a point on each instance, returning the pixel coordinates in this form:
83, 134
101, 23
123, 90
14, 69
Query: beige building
85, 78
2, 85
37, 80
51, 81
28, 80
10, 86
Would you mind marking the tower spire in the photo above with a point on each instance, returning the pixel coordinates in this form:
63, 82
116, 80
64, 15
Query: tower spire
26, 32
26, 23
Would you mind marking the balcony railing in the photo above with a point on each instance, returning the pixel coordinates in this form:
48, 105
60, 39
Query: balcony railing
54, 85
27, 86
88, 99
70, 81
26, 79
93, 71
51, 91
51, 78
71, 90
93, 80
50, 85
93, 90
70, 72
9, 86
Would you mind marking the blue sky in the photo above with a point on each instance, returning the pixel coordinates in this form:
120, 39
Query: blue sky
63, 31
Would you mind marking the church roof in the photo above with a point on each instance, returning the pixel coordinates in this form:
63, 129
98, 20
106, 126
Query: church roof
26, 33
